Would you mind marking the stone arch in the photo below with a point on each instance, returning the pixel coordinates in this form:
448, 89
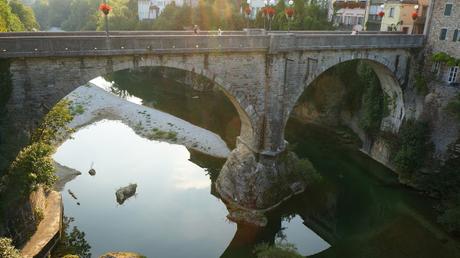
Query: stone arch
246, 130
390, 81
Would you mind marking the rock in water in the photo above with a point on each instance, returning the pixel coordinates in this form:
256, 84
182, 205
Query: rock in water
92, 172
125, 192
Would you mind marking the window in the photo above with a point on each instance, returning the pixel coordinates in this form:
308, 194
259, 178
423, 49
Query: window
452, 76
392, 12
455, 37
436, 67
443, 34
448, 10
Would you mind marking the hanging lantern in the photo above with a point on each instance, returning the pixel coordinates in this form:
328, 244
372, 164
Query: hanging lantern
289, 12
381, 14
271, 11
414, 15
105, 8
247, 10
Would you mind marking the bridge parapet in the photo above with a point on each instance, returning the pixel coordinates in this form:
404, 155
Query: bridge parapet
49, 46
126, 43
297, 42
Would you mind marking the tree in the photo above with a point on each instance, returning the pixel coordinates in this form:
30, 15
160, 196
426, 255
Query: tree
26, 15
7, 249
9, 21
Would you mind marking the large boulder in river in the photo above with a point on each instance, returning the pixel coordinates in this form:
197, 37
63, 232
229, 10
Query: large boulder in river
125, 192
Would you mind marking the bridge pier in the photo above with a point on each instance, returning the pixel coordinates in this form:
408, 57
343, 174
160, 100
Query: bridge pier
252, 183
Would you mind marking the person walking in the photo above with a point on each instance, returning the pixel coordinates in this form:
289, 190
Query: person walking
195, 29
219, 32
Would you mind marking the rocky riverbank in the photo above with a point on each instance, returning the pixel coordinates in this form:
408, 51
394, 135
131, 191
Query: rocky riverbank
91, 103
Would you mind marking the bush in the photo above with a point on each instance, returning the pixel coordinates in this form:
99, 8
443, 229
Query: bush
279, 250
412, 150
454, 106
54, 125
39, 215
7, 249
34, 166
450, 218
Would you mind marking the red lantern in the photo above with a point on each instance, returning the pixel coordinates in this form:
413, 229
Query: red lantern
105, 8
271, 11
247, 10
381, 14
414, 15
289, 12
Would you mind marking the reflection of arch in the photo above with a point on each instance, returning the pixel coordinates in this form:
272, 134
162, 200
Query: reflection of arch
390, 82
246, 125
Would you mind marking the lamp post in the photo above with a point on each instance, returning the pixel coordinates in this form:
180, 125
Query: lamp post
264, 12
271, 12
247, 11
105, 9
289, 11
414, 16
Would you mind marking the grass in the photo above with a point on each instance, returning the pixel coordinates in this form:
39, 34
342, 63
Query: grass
157, 134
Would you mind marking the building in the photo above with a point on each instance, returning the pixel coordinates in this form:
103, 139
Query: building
444, 37
373, 20
257, 5
151, 9
346, 14
398, 16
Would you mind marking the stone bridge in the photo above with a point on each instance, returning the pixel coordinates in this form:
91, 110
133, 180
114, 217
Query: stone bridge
263, 74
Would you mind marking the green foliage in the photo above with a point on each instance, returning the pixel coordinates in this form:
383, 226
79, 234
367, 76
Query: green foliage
72, 242
34, 166
372, 101
279, 250
54, 125
39, 215
26, 15
7, 250
208, 15
77, 109
454, 106
412, 148
450, 218
445, 58
9, 21
158, 134
83, 16
305, 168
306, 17
421, 85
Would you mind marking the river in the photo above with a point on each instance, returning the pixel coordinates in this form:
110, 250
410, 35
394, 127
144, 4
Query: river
358, 210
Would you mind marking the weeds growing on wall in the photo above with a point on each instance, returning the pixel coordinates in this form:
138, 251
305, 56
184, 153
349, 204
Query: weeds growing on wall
412, 148
454, 107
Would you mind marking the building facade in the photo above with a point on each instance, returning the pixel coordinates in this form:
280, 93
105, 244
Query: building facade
444, 37
399, 16
373, 20
151, 9
346, 14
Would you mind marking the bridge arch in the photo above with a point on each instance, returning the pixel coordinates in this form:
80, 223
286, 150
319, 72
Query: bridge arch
390, 81
115, 64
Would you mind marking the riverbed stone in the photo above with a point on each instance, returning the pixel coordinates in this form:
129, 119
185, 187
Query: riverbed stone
126, 192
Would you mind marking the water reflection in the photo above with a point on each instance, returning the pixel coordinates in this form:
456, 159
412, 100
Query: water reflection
172, 214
